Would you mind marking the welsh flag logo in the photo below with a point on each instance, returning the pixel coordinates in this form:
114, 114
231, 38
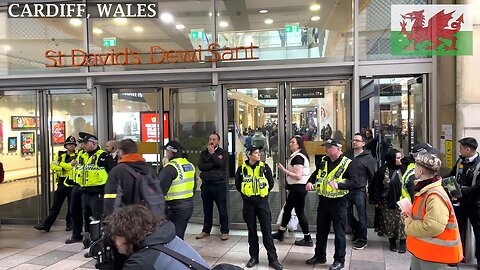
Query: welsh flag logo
431, 30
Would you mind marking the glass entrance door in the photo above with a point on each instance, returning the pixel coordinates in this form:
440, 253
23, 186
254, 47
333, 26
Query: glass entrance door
19, 153
194, 115
393, 108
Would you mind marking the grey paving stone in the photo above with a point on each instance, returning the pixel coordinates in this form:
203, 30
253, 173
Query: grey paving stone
362, 265
51, 257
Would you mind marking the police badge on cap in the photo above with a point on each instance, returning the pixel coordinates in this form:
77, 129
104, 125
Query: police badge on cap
70, 140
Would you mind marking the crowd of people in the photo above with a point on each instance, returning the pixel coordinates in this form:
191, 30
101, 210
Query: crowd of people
433, 229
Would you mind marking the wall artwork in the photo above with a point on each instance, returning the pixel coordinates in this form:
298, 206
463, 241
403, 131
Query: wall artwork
12, 144
58, 132
24, 122
27, 141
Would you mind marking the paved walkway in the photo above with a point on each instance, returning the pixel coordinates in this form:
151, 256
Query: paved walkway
22, 247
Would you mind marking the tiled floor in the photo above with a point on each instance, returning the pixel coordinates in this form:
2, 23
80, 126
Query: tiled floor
22, 247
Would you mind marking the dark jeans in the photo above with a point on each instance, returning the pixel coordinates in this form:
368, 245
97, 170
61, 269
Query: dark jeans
296, 198
59, 197
253, 208
471, 212
179, 217
214, 193
359, 227
328, 211
93, 203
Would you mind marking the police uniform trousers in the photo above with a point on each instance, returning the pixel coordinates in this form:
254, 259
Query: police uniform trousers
254, 207
63, 192
331, 210
92, 203
76, 212
179, 213
471, 212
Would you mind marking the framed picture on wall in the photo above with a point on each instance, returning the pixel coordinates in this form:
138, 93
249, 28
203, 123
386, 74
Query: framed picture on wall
24, 122
27, 142
58, 132
12, 144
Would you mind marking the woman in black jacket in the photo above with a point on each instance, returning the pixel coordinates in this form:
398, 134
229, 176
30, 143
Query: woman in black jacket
386, 191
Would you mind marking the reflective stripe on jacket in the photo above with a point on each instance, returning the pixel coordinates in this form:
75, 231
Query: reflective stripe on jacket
89, 174
405, 177
444, 248
322, 184
182, 186
254, 182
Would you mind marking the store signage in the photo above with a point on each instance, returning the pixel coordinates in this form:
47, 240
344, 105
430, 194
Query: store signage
296, 93
390, 89
110, 42
138, 97
157, 55
270, 110
150, 123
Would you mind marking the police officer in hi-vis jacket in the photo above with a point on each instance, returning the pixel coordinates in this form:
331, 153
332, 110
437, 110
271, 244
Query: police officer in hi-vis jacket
332, 179
64, 178
254, 181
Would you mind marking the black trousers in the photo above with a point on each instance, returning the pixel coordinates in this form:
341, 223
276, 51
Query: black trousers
296, 199
471, 212
214, 193
59, 197
253, 208
179, 216
358, 198
331, 210
76, 212
92, 203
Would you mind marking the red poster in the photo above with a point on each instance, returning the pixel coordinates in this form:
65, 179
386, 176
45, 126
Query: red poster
58, 132
150, 125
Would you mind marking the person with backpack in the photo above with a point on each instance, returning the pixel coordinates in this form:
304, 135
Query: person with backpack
260, 141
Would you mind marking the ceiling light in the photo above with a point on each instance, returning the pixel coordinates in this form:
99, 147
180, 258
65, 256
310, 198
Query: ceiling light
180, 26
138, 29
166, 17
263, 11
210, 14
223, 24
120, 20
268, 21
7, 47
314, 7
97, 31
315, 18
75, 22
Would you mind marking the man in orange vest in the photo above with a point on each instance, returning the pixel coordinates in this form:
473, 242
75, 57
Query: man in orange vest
431, 227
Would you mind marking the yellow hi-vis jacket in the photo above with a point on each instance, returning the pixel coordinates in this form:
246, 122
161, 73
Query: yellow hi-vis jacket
322, 183
182, 186
89, 174
63, 168
254, 183
405, 177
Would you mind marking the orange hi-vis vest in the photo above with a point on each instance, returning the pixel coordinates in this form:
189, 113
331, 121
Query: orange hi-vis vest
446, 247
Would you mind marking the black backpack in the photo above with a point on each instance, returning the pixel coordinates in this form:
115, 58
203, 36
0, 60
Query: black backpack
147, 190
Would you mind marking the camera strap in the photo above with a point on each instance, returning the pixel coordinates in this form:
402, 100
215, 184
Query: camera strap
190, 263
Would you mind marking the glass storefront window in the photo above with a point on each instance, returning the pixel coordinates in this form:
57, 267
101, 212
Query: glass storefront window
19, 122
287, 30
156, 43
25, 41
374, 28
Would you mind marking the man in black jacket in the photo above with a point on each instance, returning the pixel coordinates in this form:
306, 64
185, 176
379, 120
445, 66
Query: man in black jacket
213, 166
466, 171
363, 166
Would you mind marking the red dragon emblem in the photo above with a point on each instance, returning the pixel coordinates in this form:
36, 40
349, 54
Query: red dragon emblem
438, 27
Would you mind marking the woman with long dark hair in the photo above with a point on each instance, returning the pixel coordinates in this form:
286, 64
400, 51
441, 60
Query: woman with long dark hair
298, 172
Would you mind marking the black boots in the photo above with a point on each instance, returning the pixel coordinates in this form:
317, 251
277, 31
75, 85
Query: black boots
278, 235
402, 246
393, 244
306, 241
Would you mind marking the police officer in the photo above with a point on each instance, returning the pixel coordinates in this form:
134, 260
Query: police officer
76, 195
178, 179
254, 181
63, 176
92, 174
467, 207
332, 179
